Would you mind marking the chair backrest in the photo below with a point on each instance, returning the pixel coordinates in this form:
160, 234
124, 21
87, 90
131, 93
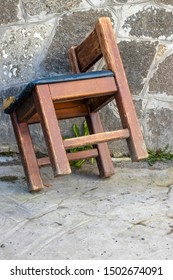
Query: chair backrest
100, 42
85, 55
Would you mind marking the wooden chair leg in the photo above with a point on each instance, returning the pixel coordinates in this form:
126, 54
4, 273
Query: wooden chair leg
104, 161
124, 100
27, 152
51, 131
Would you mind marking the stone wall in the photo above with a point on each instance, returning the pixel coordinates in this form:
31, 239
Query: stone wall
35, 36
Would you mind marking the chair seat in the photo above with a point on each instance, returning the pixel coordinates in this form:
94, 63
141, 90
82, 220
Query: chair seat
16, 101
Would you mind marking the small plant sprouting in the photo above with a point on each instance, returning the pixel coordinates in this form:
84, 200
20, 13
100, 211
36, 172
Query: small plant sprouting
159, 155
76, 132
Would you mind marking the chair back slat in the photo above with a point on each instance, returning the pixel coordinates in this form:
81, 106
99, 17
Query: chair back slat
85, 58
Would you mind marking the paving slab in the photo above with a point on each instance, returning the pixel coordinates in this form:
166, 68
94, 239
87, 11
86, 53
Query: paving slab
80, 216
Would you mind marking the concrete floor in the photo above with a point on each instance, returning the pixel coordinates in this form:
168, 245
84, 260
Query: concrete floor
80, 216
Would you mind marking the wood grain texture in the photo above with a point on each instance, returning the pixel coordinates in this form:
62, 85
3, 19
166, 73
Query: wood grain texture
66, 113
100, 137
71, 156
86, 54
76, 90
51, 130
27, 153
104, 161
124, 100
26, 110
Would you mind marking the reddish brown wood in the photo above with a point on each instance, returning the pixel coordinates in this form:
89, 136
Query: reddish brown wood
85, 55
71, 156
67, 113
82, 89
27, 153
124, 100
100, 137
51, 130
104, 161
26, 110
64, 110
73, 60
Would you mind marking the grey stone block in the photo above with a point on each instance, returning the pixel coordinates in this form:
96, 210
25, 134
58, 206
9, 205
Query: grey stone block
162, 80
72, 29
21, 52
150, 22
7, 138
165, 2
9, 11
158, 124
33, 8
137, 58
122, 1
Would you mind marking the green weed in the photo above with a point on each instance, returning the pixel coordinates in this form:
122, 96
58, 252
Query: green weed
159, 155
85, 132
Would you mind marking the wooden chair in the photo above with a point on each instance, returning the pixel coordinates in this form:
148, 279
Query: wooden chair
46, 101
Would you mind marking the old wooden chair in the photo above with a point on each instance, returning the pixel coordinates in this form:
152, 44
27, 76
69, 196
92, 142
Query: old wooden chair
46, 101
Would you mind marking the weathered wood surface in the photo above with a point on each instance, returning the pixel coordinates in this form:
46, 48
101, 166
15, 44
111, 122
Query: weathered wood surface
26, 110
83, 89
100, 137
27, 153
64, 110
124, 100
71, 156
104, 161
51, 130
86, 54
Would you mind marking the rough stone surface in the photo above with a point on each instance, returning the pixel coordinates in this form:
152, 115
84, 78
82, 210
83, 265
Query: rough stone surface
7, 137
159, 124
69, 33
9, 11
32, 7
98, 3
29, 40
137, 58
166, 2
161, 83
151, 22
122, 1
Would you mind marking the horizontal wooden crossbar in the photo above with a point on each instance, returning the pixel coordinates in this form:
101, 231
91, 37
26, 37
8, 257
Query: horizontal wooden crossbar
71, 156
66, 113
85, 140
96, 138
82, 89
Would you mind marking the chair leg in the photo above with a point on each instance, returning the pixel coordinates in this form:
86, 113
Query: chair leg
51, 131
104, 161
124, 100
27, 152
